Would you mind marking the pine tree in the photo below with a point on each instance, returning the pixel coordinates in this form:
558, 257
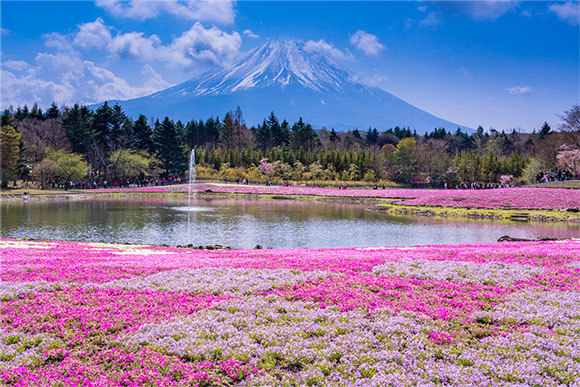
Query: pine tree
6, 118
303, 135
77, 123
280, 133
545, 130
170, 148
143, 134
122, 135
263, 136
10, 154
333, 137
52, 112
372, 137
103, 126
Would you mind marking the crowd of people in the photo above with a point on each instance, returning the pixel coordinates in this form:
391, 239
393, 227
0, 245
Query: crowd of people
541, 177
554, 175
476, 186
117, 183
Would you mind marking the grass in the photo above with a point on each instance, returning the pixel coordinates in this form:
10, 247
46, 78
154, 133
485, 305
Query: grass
571, 184
478, 213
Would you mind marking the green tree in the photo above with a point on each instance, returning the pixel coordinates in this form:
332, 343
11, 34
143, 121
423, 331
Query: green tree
77, 123
10, 154
280, 133
52, 112
234, 134
263, 136
303, 135
143, 134
544, 130
103, 128
333, 137
126, 163
372, 137
169, 148
69, 166
406, 160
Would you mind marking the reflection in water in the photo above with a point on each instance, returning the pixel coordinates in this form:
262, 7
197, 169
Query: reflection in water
245, 224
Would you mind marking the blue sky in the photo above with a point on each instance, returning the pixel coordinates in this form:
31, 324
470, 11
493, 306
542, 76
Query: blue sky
501, 64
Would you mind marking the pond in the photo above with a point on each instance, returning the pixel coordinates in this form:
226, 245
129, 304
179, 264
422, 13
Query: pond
245, 224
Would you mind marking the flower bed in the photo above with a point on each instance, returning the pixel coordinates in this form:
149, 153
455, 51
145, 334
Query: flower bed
505, 198
76, 313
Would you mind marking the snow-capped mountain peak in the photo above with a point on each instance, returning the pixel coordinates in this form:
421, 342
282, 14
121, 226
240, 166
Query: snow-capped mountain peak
278, 62
286, 77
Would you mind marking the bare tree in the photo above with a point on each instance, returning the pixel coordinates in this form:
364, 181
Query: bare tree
570, 125
40, 136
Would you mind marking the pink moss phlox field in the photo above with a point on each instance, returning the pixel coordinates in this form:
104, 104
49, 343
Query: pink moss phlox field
132, 189
89, 263
90, 314
504, 198
52, 262
118, 367
75, 313
436, 299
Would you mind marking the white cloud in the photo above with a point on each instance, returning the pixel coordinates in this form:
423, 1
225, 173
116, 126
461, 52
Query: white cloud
205, 45
93, 35
490, 9
4, 31
479, 10
519, 90
153, 81
432, 19
57, 41
568, 12
65, 78
326, 49
15, 65
218, 11
375, 80
367, 43
250, 34
135, 45
198, 44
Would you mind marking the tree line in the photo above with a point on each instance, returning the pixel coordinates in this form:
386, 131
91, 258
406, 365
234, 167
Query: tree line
75, 143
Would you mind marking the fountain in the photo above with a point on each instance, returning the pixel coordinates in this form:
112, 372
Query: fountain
192, 175
191, 189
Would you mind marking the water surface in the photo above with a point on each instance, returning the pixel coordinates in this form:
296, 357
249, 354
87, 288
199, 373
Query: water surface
245, 224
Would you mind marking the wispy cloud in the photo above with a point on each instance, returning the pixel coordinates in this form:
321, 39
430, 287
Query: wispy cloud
327, 49
375, 80
519, 90
466, 73
250, 34
479, 10
15, 65
568, 12
432, 19
217, 11
367, 43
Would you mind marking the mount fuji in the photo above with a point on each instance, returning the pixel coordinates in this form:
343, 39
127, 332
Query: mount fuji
289, 79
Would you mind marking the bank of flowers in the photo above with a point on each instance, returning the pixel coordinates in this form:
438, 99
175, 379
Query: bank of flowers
93, 314
503, 198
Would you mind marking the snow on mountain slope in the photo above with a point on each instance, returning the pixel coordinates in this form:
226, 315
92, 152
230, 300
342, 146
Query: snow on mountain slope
284, 77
